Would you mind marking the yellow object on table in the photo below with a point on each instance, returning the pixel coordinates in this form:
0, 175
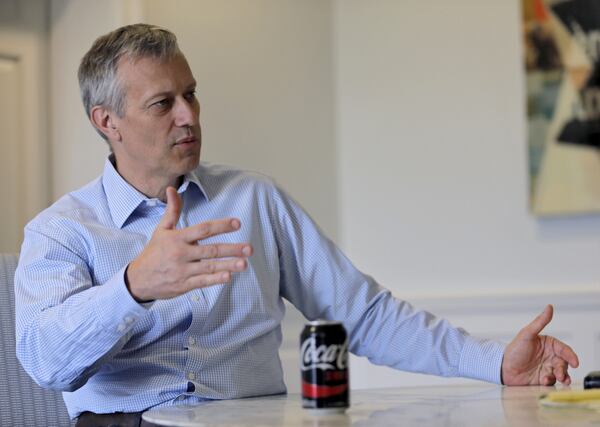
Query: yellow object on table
589, 399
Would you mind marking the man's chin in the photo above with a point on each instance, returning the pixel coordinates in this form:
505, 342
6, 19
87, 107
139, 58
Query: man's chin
191, 162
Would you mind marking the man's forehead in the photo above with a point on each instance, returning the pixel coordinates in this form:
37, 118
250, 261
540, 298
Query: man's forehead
155, 75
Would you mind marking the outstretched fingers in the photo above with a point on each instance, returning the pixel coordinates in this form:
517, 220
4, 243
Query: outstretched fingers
208, 229
556, 369
558, 357
219, 250
565, 352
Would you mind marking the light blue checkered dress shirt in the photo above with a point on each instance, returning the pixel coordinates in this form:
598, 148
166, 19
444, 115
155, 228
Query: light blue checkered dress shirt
80, 331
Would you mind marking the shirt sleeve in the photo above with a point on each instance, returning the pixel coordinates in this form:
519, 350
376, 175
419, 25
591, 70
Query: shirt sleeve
323, 284
66, 327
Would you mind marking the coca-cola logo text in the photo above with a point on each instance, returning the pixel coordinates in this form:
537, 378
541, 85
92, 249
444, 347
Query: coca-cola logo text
324, 357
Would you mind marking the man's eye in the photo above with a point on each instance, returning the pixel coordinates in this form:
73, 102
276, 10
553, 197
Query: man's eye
162, 103
190, 96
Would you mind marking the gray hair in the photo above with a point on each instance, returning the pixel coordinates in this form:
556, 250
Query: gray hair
98, 81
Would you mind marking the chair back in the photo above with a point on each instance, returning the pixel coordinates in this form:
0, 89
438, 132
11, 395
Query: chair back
22, 401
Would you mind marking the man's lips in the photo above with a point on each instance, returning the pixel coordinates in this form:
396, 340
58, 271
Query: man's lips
187, 140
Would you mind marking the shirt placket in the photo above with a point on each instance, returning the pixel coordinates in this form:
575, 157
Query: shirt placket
200, 308
195, 354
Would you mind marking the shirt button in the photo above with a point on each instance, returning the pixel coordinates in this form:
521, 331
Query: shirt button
128, 319
191, 376
191, 340
121, 327
195, 298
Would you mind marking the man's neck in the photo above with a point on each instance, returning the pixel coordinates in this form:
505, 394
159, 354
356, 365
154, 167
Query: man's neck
152, 187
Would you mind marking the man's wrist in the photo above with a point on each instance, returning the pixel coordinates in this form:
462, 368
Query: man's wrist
128, 286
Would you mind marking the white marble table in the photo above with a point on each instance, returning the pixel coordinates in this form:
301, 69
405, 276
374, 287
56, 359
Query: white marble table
449, 406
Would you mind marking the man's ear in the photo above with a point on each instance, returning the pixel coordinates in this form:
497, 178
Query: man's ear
104, 120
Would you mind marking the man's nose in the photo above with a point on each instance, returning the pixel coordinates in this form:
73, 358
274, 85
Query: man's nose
186, 113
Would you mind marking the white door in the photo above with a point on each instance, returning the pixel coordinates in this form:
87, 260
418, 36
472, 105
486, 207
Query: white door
11, 200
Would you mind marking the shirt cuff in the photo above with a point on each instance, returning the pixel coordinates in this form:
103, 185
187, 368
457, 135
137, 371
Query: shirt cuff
116, 310
481, 360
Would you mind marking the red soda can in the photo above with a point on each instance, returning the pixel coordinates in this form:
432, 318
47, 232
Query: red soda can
324, 366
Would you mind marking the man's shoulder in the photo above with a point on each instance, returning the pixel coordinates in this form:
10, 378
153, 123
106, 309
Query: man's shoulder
218, 177
82, 204
228, 173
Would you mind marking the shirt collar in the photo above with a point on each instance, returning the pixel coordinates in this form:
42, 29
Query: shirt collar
123, 199
192, 177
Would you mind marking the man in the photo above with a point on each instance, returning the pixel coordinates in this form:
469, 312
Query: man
162, 281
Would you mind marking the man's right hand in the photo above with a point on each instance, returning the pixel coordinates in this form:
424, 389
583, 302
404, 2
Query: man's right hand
174, 262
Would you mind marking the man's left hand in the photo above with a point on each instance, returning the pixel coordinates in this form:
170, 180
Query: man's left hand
534, 359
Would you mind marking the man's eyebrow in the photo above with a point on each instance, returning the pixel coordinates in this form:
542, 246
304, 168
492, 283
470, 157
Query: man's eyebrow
168, 93
163, 94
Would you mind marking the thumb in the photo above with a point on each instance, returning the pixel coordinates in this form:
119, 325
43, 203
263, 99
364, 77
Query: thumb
539, 323
171, 216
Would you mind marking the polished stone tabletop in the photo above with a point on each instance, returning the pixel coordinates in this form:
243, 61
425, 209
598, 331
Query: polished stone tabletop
448, 406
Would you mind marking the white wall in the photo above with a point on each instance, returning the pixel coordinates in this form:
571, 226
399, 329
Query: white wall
77, 151
432, 154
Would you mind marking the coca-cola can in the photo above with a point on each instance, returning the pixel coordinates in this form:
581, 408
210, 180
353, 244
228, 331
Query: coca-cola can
324, 366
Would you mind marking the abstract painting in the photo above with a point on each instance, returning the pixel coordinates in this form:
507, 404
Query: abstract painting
562, 60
